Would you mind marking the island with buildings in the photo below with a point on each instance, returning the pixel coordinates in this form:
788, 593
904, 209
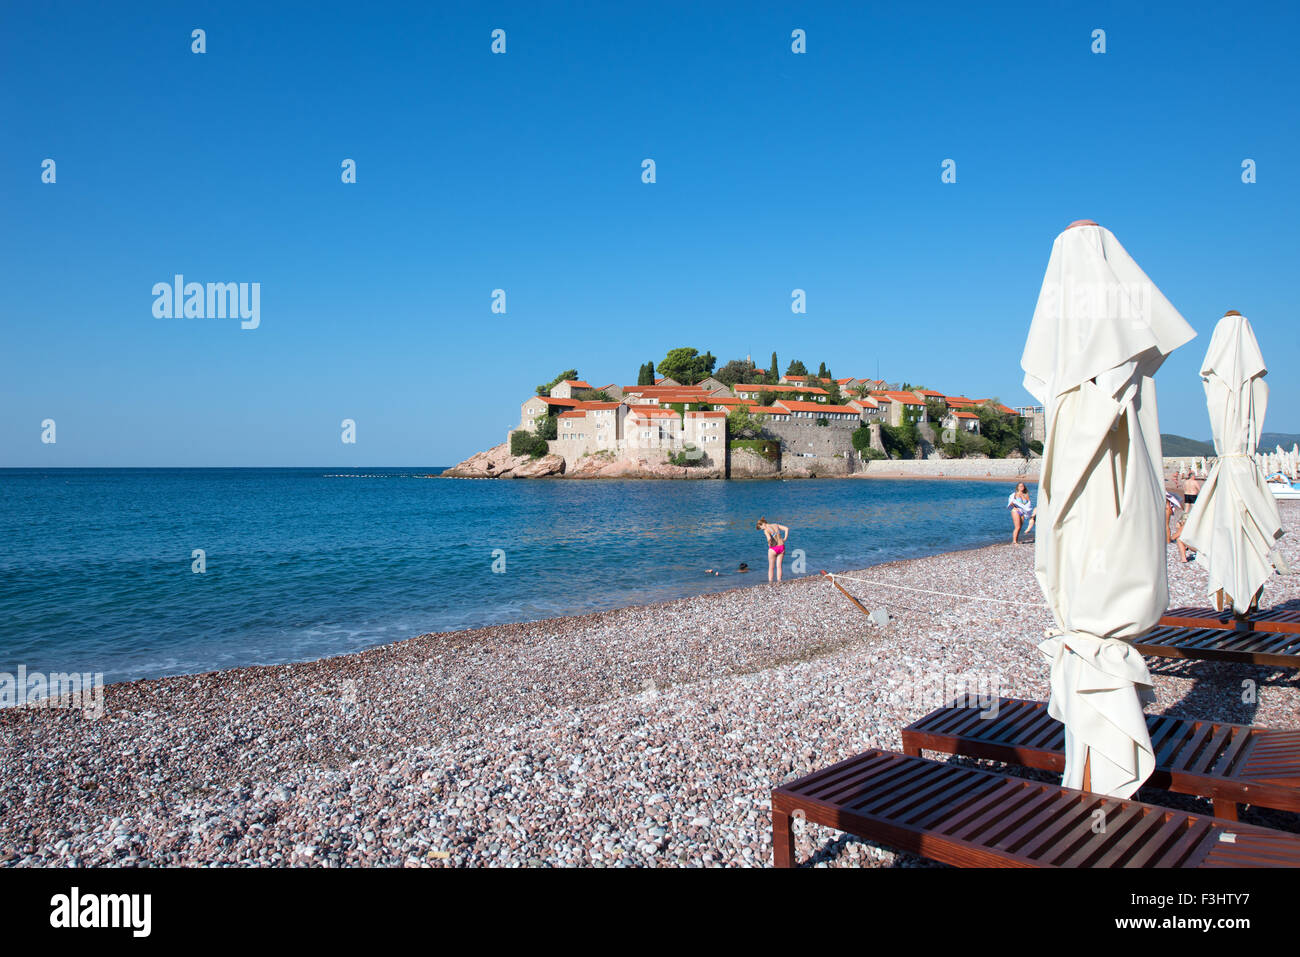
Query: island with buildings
743, 422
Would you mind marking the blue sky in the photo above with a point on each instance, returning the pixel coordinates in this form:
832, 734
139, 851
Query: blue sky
775, 171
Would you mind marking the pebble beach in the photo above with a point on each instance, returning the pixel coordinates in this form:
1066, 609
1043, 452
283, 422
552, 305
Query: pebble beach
646, 736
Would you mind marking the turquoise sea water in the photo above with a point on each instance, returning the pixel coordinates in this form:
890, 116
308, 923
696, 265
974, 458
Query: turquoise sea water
96, 564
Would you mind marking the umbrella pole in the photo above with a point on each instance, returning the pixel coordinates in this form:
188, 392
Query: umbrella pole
1087, 771
846, 594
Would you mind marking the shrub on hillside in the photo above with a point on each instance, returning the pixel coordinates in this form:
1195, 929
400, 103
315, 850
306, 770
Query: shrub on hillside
899, 440
527, 443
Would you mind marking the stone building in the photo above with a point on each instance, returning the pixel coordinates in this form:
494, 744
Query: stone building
565, 389
1035, 423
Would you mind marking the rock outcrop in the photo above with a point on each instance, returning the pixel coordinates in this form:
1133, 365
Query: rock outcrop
499, 463
602, 466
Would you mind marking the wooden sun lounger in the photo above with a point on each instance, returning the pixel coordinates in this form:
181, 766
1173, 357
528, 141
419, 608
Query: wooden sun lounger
1270, 619
972, 818
1232, 764
1280, 649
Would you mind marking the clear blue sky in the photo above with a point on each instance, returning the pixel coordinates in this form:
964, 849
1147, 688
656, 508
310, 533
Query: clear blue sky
775, 171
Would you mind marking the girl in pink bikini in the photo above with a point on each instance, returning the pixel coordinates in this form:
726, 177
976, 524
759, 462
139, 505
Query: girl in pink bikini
776, 536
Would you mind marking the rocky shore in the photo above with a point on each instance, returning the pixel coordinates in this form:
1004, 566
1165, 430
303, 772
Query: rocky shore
646, 736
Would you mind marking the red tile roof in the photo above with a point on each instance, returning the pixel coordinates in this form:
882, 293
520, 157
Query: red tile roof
965, 415
906, 398
577, 383
698, 413
810, 389
794, 406
767, 410
565, 402
651, 411
572, 414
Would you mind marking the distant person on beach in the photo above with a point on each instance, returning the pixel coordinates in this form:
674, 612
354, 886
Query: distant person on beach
1191, 488
776, 536
744, 567
1022, 512
1175, 518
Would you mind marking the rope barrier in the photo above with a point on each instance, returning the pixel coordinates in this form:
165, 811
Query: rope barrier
930, 591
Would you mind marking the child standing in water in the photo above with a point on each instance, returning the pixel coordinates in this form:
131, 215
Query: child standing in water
776, 536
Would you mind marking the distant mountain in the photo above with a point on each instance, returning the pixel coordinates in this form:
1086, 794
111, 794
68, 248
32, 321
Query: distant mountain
1269, 441
1176, 445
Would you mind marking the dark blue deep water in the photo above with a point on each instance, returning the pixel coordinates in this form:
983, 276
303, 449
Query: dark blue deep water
95, 564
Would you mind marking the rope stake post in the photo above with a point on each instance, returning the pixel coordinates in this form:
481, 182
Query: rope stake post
845, 593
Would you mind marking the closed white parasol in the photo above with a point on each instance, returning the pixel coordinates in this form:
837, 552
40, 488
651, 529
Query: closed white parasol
1234, 524
1100, 331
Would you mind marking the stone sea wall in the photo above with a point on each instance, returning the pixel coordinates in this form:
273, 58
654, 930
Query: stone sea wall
1012, 469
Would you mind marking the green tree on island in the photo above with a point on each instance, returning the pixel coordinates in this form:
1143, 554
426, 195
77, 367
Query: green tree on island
686, 365
796, 368
737, 371
647, 374
774, 373
743, 424
1003, 432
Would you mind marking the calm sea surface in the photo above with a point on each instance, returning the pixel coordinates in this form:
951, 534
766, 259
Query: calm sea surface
95, 564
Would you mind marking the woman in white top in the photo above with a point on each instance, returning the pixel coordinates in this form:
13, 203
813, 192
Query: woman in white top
1022, 512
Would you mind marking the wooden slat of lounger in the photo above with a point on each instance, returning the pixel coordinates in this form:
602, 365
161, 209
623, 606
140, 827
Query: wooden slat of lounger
1274, 759
1175, 743
1231, 760
1136, 834
1136, 837
1012, 713
975, 820
1157, 841
1270, 619
1229, 763
1192, 837
821, 780
1208, 644
1280, 645
948, 803
1193, 745
953, 719
1045, 845
1084, 841
1210, 754
901, 802
1160, 730
1120, 821
1019, 831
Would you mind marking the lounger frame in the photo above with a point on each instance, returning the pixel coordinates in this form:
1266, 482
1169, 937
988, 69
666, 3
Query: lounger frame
1232, 764
972, 818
